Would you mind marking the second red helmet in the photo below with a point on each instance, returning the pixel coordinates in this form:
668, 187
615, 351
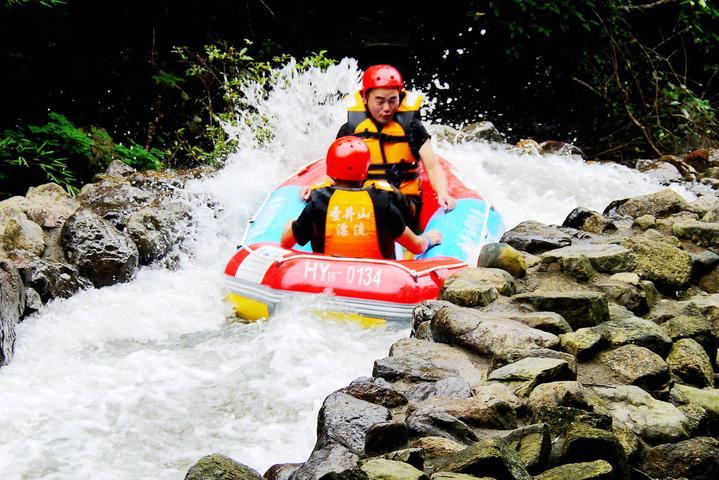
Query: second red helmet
381, 76
348, 158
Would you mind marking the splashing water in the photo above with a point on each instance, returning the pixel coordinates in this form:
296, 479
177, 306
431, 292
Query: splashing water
140, 380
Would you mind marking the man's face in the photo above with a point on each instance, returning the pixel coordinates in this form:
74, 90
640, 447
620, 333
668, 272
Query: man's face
382, 103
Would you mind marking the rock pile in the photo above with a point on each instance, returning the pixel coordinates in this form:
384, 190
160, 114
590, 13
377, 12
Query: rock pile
582, 351
52, 245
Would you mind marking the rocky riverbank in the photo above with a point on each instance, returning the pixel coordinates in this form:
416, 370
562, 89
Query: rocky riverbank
582, 351
53, 245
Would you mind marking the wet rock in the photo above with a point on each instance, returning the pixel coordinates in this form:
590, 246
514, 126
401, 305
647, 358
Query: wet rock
659, 204
220, 467
562, 394
421, 316
645, 222
100, 252
157, 229
375, 390
689, 364
546, 321
511, 355
667, 266
114, 201
589, 221
524, 375
703, 262
33, 302
12, 306
697, 458
535, 237
48, 278
432, 421
606, 258
533, 443
486, 334
638, 298
452, 387
596, 470
636, 331
437, 447
505, 257
637, 366
411, 456
584, 443
490, 457
422, 361
582, 343
482, 131
381, 469
701, 233
707, 398
696, 327
119, 169
385, 437
467, 292
653, 420
345, 420
492, 406
331, 458
557, 147
19, 233
281, 471
578, 308
49, 205
703, 204
664, 172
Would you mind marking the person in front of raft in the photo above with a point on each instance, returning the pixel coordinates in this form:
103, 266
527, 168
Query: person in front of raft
349, 220
386, 117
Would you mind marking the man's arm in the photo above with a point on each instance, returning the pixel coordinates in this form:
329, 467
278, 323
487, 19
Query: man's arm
288, 236
436, 175
419, 243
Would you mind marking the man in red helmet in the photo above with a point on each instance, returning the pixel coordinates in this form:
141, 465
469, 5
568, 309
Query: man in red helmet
347, 220
387, 118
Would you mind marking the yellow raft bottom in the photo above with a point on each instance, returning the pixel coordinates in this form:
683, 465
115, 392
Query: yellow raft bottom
251, 310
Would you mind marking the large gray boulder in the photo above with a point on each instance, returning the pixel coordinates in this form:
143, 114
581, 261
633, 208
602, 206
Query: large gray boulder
689, 364
100, 252
331, 458
637, 366
486, 333
535, 237
12, 306
606, 258
114, 201
504, 256
702, 233
50, 279
596, 470
345, 420
376, 390
415, 360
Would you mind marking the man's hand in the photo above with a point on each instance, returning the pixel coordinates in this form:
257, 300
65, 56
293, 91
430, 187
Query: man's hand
447, 201
434, 238
305, 192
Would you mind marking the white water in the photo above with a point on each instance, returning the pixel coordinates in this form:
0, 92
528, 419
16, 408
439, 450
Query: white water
139, 380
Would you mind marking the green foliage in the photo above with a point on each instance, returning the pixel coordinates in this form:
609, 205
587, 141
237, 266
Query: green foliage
215, 79
60, 152
43, 3
648, 65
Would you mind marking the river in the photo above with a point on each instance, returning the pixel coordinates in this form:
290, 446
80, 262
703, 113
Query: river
139, 380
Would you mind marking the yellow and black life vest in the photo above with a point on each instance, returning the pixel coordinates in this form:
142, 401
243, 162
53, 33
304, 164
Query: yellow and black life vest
351, 227
392, 157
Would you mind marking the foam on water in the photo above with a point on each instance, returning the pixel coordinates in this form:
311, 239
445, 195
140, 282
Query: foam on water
139, 380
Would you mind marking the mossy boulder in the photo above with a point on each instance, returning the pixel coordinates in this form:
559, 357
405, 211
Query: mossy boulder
382, 469
596, 470
504, 256
220, 467
488, 457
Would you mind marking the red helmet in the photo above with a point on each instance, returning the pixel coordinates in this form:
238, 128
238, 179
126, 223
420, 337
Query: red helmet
348, 159
381, 76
